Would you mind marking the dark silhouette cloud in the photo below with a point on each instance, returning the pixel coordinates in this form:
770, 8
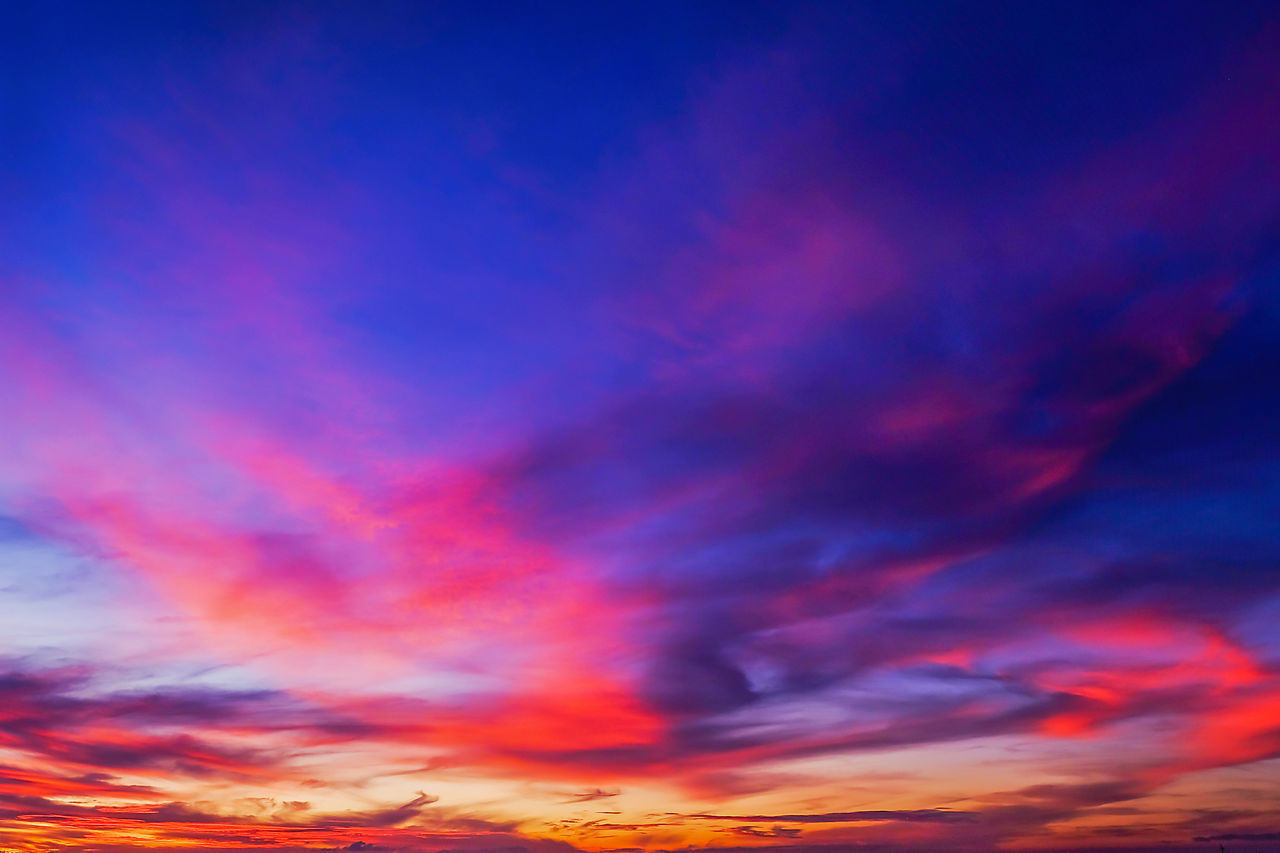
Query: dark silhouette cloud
592, 794
906, 815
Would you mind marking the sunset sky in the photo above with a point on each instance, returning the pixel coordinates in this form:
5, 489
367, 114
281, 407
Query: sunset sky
660, 426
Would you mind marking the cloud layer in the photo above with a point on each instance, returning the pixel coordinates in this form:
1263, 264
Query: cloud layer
821, 428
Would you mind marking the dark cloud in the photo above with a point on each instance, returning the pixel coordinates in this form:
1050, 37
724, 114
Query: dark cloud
398, 815
772, 832
66, 716
697, 678
593, 794
904, 815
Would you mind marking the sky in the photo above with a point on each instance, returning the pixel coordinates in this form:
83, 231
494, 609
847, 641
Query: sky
581, 427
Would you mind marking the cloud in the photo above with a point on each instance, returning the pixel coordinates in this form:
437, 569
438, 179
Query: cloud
400, 814
845, 405
592, 794
905, 815
774, 832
